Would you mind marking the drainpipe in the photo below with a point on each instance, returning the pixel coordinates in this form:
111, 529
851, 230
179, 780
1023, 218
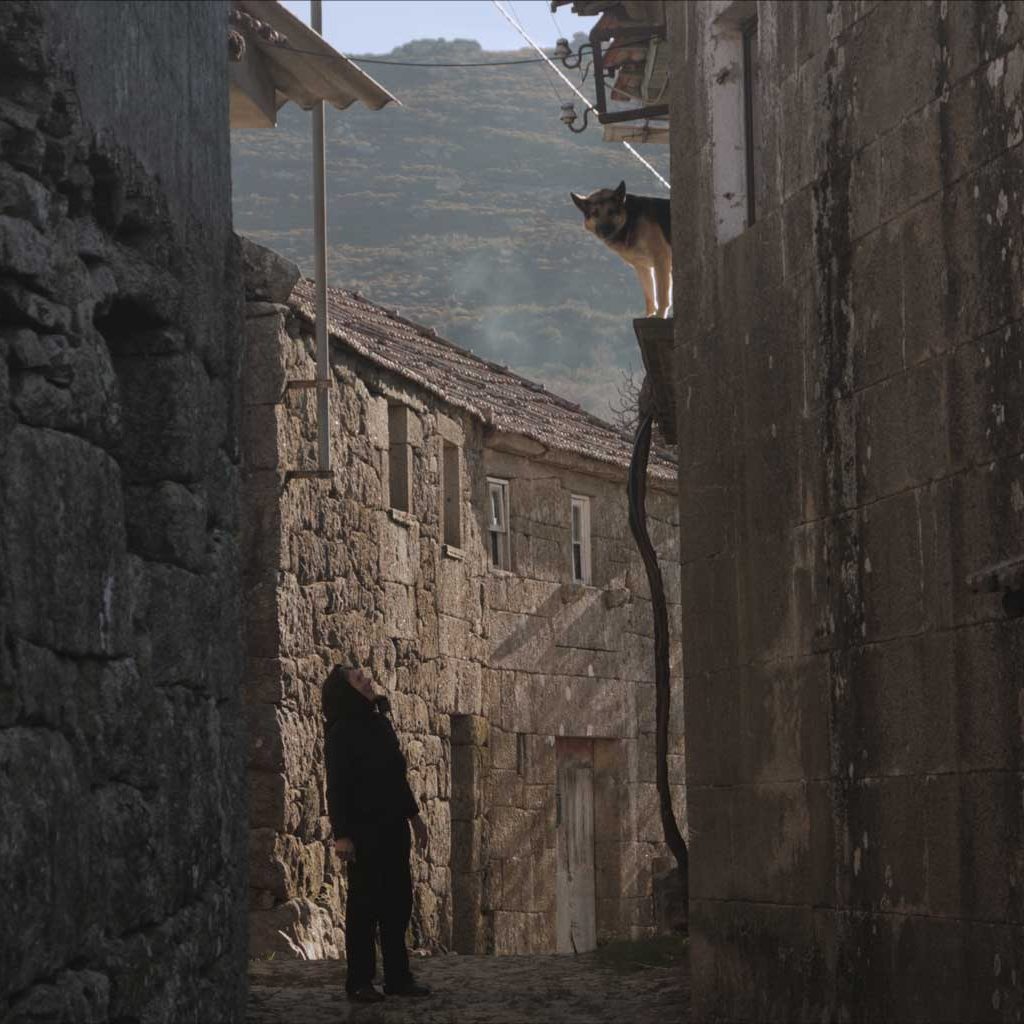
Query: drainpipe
323, 369
637, 493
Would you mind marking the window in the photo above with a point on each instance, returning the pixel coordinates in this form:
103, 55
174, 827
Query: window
749, 32
451, 490
399, 458
733, 69
520, 753
580, 539
497, 514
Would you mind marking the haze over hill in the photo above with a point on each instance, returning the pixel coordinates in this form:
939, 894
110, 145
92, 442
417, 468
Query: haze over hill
454, 209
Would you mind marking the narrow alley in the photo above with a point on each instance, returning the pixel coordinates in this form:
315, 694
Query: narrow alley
539, 483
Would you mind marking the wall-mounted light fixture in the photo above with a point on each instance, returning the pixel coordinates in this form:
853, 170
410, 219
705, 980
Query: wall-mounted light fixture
568, 117
563, 52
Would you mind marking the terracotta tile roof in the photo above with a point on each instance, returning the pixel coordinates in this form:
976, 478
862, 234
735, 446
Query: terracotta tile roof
492, 393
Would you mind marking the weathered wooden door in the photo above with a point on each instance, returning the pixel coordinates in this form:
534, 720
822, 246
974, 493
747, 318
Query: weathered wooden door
577, 930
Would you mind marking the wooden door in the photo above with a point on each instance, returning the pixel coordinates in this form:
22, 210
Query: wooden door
577, 929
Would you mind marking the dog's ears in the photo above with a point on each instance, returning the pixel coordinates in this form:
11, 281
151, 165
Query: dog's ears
620, 192
581, 202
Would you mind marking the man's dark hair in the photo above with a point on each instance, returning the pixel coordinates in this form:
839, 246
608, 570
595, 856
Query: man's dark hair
333, 695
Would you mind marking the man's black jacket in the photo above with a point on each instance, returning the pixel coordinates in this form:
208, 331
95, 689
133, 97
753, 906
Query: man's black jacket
366, 780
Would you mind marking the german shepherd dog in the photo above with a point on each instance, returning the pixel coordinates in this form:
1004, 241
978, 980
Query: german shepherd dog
638, 229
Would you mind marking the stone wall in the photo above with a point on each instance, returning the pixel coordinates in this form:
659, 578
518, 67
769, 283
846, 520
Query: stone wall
849, 391
567, 660
483, 668
121, 760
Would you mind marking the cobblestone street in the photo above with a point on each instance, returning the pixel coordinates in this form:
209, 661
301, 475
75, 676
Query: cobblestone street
587, 989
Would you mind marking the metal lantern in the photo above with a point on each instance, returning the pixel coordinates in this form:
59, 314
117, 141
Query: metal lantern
568, 117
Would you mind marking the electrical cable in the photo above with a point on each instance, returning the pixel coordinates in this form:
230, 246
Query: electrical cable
542, 59
554, 21
424, 64
411, 63
547, 71
590, 106
428, 64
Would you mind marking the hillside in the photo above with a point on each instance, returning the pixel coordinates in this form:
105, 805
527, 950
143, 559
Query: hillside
454, 209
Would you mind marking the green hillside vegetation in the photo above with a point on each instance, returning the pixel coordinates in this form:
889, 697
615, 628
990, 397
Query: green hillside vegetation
454, 209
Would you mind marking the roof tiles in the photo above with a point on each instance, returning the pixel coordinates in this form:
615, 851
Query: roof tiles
488, 391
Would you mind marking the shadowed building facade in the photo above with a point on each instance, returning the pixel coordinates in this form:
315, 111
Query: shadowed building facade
849, 398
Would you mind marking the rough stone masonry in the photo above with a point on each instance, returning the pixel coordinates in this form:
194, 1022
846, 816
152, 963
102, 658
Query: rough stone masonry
499, 676
122, 806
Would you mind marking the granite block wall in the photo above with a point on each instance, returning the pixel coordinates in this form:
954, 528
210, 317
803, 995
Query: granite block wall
121, 754
849, 389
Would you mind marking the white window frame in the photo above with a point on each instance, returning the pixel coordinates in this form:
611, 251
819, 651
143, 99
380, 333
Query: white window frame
731, 55
582, 503
499, 549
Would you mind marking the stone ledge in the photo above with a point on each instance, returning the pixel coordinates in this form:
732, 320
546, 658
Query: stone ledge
617, 597
450, 551
657, 349
255, 310
396, 515
268, 276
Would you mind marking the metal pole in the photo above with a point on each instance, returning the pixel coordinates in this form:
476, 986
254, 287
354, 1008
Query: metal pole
636, 490
323, 369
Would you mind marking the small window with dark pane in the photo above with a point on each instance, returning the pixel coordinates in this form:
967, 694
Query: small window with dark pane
580, 539
399, 458
497, 525
451, 489
749, 32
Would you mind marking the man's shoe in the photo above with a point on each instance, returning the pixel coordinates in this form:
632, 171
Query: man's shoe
407, 988
368, 994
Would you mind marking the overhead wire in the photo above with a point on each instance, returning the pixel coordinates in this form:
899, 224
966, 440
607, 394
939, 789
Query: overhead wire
432, 64
547, 72
590, 106
426, 64
412, 63
554, 21
542, 59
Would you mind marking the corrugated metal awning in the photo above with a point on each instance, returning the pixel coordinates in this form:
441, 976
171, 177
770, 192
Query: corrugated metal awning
303, 69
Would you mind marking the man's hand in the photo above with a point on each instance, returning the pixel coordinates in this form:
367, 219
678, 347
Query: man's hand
345, 848
419, 830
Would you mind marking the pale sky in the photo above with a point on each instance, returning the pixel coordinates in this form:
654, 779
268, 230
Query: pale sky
378, 26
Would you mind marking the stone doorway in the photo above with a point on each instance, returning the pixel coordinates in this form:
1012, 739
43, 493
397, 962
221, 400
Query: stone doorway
575, 878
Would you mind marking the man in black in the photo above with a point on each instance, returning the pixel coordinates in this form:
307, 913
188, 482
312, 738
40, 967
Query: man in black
370, 805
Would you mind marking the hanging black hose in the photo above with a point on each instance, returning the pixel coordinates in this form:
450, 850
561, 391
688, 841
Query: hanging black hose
637, 491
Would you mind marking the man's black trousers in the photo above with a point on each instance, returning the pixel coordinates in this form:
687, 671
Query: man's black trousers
379, 894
